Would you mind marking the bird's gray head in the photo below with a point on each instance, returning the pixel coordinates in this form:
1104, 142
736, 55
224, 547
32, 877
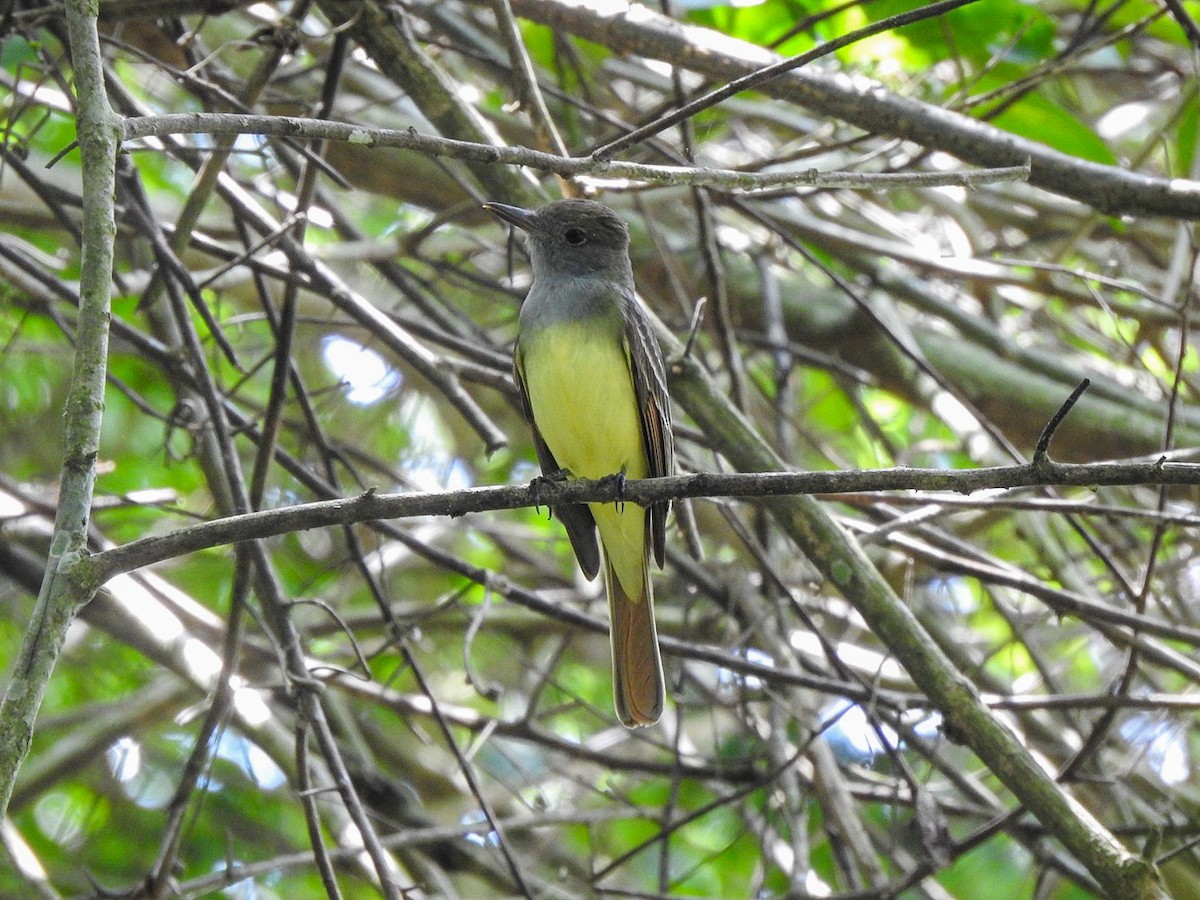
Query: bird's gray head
572, 238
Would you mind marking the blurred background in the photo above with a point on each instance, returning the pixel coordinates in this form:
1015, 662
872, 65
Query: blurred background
463, 663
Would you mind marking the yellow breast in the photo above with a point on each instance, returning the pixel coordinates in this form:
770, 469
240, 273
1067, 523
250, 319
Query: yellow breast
581, 393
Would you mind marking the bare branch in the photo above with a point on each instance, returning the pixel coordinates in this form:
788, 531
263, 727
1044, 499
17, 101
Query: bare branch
232, 124
371, 505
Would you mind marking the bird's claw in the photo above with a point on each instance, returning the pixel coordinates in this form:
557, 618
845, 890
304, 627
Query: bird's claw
620, 480
536, 485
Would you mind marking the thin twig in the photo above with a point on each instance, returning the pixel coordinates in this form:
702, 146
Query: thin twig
765, 74
1040, 453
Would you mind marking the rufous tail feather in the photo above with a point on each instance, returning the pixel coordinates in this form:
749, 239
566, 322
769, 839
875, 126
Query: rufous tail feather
638, 687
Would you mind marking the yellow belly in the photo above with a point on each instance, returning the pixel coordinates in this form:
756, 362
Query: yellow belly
585, 408
584, 405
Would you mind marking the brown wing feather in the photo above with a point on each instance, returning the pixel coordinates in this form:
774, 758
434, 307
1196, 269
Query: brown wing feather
650, 385
576, 518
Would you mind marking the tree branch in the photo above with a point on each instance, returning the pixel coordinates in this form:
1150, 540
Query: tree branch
62, 594
371, 505
232, 124
870, 106
846, 566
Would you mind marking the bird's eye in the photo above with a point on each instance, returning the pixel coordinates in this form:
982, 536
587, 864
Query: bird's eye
575, 236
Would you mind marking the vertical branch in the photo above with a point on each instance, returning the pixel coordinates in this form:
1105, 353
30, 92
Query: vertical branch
65, 587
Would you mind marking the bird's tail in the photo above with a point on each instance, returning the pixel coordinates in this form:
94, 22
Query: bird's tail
637, 669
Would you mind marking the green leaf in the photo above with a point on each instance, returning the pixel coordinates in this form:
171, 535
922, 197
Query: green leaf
1036, 117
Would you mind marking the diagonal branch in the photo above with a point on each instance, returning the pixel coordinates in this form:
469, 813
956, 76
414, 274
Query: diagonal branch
1108, 189
842, 561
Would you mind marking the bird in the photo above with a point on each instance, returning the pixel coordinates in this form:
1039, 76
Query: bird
593, 387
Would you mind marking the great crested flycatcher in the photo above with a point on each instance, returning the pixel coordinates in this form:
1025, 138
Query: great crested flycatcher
594, 388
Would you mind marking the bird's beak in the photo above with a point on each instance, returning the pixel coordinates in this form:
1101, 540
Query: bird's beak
513, 215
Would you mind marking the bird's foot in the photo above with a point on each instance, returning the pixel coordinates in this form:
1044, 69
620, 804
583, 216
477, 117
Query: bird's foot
619, 479
536, 485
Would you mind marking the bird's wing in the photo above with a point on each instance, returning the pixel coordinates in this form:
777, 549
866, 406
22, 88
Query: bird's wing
576, 518
650, 384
